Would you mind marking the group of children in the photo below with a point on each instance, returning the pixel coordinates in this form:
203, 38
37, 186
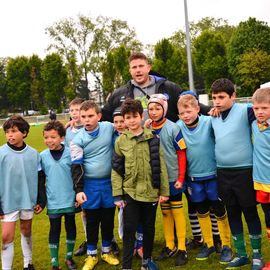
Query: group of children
221, 163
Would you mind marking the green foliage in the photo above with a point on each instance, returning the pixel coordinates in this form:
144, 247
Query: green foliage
19, 83
210, 57
168, 61
115, 69
4, 104
36, 88
249, 35
253, 70
90, 40
54, 77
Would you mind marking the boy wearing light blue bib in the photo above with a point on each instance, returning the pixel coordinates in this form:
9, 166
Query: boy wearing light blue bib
56, 164
19, 194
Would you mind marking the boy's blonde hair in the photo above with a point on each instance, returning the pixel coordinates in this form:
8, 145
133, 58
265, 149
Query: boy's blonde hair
261, 95
187, 101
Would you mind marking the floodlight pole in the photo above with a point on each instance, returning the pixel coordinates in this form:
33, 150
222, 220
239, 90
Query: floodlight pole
190, 71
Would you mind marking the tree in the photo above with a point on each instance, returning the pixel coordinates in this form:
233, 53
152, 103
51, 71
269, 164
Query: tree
4, 104
19, 83
168, 61
210, 57
115, 69
37, 99
90, 40
249, 35
253, 70
54, 77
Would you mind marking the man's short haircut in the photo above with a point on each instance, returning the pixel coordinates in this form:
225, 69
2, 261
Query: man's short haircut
131, 106
76, 101
137, 55
19, 122
261, 95
187, 101
89, 104
57, 126
223, 85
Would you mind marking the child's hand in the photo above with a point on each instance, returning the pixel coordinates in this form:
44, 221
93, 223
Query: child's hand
147, 123
38, 209
120, 204
163, 199
178, 184
81, 198
214, 112
70, 123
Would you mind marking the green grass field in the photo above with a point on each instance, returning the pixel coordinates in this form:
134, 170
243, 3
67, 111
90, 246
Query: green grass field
41, 257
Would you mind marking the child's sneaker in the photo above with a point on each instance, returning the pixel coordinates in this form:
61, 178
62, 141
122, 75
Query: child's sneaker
226, 255
267, 266
257, 262
194, 243
149, 264
237, 262
166, 253
90, 262
109, 258
181, 258
205, 253
29, 267
71, 265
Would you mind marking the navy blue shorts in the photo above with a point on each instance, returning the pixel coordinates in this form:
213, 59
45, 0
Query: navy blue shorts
98, 193
202, 190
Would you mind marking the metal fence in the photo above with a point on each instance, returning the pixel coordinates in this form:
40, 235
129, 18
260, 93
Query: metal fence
40, 119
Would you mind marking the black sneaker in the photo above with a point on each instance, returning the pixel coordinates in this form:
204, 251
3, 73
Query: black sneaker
194, 243
29, 267
71, 265
166, 253
181, 258
115, 248
81, 250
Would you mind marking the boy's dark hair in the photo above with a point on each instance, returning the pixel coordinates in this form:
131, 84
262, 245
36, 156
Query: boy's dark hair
57, 126
223, 85
137, 55
76, 101
89, 104
19, 122
131, 106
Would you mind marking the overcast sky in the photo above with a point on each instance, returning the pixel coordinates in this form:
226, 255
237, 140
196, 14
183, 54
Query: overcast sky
23, 23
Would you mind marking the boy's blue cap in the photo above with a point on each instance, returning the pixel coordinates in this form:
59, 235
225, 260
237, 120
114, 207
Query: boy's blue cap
189, 92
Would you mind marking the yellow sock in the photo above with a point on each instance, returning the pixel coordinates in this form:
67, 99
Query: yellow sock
180, 223
206, 227
224, 230
168, 224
